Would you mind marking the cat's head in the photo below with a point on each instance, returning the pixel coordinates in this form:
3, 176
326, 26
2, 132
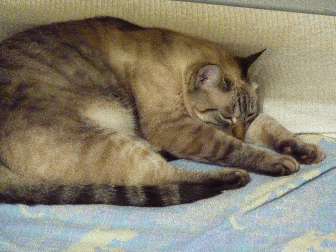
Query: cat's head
223, 96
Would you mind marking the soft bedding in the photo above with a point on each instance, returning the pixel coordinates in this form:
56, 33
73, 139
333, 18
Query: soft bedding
294, 213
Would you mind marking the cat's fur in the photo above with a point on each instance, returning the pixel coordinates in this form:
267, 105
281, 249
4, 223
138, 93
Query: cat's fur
86, 107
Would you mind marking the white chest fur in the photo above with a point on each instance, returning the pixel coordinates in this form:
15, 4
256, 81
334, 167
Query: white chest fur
110, 115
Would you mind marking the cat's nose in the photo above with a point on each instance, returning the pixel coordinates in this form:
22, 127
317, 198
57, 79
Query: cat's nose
238, 129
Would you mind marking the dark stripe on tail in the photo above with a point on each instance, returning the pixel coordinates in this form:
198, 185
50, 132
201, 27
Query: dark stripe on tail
142, 196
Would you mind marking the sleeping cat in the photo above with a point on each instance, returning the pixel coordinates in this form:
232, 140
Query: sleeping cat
87, 107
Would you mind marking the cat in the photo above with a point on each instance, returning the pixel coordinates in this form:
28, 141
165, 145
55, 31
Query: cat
87, 108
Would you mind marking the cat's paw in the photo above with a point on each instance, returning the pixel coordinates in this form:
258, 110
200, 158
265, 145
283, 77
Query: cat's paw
304, 153
284, 165
279, 165
235, 178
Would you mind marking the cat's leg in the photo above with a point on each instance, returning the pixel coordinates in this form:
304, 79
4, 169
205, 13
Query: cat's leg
132, 161
187, 137
115, 158
267, 132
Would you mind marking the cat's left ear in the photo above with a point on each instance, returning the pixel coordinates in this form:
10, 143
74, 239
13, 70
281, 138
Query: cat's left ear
245, 63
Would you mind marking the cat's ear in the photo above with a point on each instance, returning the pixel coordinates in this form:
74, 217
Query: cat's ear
208, 76
245, 63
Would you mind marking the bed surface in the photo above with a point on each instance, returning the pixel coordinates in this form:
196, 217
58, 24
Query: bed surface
294, 213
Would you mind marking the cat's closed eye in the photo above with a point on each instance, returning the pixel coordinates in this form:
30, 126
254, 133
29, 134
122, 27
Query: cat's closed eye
226, 118
207, 110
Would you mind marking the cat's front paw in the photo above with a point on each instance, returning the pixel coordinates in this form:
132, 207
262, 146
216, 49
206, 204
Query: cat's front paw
279, 165
303, 152
284, 165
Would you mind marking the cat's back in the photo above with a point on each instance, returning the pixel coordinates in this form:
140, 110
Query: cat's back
50, 69
58, 55
92, 30
62, 40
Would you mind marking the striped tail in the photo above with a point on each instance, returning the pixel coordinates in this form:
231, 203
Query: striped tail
141, 196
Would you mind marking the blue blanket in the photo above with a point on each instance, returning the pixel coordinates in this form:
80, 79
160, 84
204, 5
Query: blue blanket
294, 213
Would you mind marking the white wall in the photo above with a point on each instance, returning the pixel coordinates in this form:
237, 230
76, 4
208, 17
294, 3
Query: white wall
323, 7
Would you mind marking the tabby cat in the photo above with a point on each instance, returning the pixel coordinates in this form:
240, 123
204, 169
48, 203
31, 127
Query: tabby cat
87, 108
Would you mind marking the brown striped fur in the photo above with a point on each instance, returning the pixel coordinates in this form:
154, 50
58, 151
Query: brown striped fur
87, 106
